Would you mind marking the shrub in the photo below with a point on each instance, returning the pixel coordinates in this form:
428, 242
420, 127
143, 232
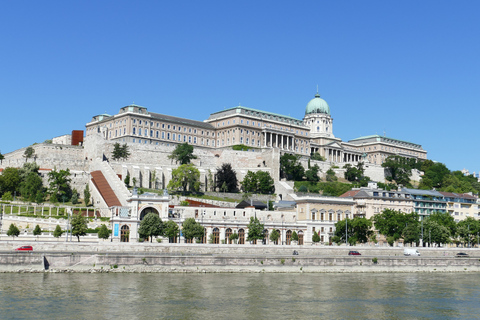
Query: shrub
375, 260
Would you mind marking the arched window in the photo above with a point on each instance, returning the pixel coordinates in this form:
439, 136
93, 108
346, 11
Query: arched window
124, 233
228, 233
241, 236
216, 236
288, 237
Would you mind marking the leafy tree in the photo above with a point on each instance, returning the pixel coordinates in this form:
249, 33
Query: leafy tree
226, 175
315, 237
134, 181
74, 198
40, 197
183, 153
434, 174
127, 180
1, 158
86, 195
467, 230
255, 230
29, 153
103, 232
57, 233
446, 220
411, 233
317, 156
13, 231
274, 235
10, 180
312, 173
233, 237
59, 184
151, 226
435, 232
79, 226
185, 177
331, 177
291, 168
392, 223
192, 229
258, 182
7, 196
398, 169
37, 231
359, 230
334, 189
294, 236
31, 186
171, 230
210, 180
120, 151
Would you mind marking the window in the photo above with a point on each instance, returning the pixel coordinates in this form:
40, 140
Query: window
133, 130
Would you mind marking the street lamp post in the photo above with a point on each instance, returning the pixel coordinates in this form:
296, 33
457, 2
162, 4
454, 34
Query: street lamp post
346, 231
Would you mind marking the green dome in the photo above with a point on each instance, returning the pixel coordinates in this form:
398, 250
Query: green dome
317, 105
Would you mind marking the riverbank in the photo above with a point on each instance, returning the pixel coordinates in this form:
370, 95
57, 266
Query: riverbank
224, 263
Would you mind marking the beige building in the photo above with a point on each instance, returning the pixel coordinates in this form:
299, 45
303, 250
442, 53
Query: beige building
372, 200
253, 128
462, 205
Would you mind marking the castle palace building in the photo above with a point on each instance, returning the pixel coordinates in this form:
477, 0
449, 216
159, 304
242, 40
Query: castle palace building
255, 129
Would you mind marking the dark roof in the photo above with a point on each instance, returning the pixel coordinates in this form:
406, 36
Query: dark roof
183, 121
257, 204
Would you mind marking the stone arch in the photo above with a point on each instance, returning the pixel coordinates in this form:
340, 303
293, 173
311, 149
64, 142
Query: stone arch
147, 210
125, 233
216, 236
288, 237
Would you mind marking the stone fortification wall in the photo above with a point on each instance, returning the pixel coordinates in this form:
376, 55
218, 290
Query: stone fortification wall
225, 258
49, 156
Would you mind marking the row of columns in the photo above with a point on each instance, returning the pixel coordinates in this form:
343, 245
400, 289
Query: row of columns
335, 155
276, 140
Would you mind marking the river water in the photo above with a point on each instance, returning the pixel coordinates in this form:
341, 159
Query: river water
239, 296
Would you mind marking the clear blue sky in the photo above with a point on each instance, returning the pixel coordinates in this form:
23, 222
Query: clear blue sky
407, 68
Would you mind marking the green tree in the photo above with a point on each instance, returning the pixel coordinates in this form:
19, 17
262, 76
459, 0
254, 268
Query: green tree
446, 220
13, 231
59, 184
255, 230
103, 232
331, 177
1, 158
317, 156
151, 226
434, 174
183, 153
10, 180
30, 186
57, 233
7, 196
435, 232
29, 153
391, 223
291, 168
258, 182
467, 230
37, 231
356, 174
79, 226
359, 230
226, 175
40, 197
74, 198
127, 180
411, 233
274, 235
233, 237
315, 237
312, 173
185, 177
192, 229
397, 169
86, 195
294, 236
171, 230
120, 151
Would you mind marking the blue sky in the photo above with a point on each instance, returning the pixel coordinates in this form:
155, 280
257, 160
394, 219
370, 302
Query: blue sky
407, 68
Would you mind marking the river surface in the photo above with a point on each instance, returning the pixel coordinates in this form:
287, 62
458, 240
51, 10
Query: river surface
239, 296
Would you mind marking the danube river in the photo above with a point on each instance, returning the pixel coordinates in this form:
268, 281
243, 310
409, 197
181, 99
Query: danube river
239, 296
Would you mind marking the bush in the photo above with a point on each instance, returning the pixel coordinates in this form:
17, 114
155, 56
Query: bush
375, 260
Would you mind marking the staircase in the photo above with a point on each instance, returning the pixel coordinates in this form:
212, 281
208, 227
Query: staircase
115, 183
108, 195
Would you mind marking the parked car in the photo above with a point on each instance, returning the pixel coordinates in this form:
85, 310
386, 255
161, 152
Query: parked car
411, 252
354, 253
24, 248
461, 255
